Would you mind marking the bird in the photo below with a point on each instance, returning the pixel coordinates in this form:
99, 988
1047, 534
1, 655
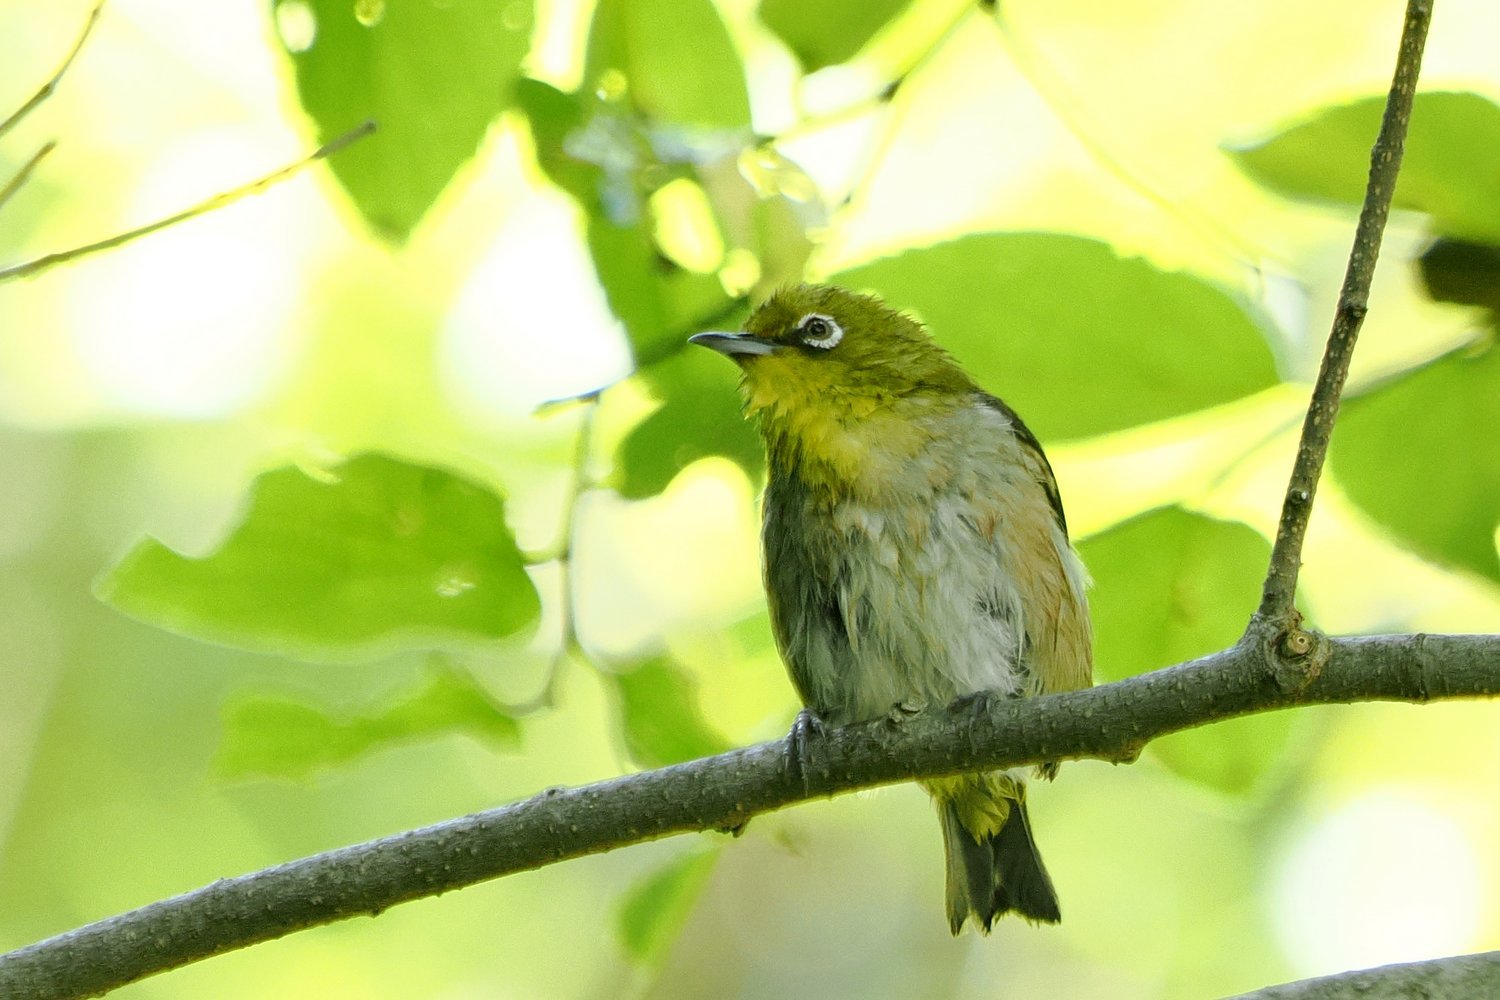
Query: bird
916, 553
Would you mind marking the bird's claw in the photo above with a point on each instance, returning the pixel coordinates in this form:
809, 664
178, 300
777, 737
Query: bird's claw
903, 710
976, 704
807, 730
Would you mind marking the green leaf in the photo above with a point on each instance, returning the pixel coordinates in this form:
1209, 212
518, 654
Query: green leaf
596, 152
830, 31
1169, 586
431, 75
671, 59
663, 98
660, 717
1421, 456
655, 910
701, 417
1078, 340
375, 555
277, 736
1451, 169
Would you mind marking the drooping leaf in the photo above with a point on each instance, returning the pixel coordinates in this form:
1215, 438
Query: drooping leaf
660, 717
700, 417
1171, 585
663, 100
278, 736
828, 32
370, 557
1077, 340
654, 911
672, 60
432, 76
1421, 455
1451, 170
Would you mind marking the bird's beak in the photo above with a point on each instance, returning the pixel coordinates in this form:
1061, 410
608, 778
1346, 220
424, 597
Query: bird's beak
732, 344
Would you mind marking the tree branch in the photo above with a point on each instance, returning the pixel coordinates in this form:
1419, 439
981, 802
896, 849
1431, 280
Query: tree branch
1459, 976
1277, 606
1112, 722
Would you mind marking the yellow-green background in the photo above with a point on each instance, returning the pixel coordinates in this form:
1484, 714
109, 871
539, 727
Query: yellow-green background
141, 390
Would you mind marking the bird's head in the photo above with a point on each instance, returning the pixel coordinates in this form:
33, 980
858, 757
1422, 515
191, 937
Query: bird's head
823, 347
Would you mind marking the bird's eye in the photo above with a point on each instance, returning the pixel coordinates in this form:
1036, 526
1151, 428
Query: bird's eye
820, 331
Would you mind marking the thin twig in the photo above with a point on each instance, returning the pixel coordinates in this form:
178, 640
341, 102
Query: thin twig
568, 644
1277, 606
24, 174
33, 267
1109, 722
47, 88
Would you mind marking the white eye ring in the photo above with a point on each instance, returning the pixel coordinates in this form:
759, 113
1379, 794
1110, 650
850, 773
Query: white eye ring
821, 321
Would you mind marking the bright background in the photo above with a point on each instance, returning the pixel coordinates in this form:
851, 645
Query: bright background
141, 390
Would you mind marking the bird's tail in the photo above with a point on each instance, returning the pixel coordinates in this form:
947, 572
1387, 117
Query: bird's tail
992, 861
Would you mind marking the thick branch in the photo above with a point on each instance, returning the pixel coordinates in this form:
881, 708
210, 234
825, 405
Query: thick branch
1111, 722
1280, 590
1459, 976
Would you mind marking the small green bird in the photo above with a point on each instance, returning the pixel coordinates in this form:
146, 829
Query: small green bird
915, 552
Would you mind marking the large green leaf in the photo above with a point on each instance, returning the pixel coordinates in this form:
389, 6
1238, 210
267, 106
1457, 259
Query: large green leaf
1451, 170
660, 717
1171, 585
278, 736
654, 911
830, 31
672, 60
1422, 456
431, 75
700, 417
373, 556
1078, 340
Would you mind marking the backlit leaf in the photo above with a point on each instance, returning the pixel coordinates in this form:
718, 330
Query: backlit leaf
1169, 586
1078, 340
654, 911
660, 717
1422, 456
276, 736
432, 76
1451, 169
372, 556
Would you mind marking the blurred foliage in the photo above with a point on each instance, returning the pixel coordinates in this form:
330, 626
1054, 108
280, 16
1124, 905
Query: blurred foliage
1451, 170
371, 556
699, 417
660, 717
823, 34
394, 64
1105, 343
283, 737
652, 915
1422, 456
1395, 446
696, 148
1169, 586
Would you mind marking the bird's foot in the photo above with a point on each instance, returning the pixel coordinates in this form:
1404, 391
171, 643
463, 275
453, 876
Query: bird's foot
807, 731
976, 704
905, 709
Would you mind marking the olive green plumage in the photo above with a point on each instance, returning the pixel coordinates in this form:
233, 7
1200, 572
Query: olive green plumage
915, 552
